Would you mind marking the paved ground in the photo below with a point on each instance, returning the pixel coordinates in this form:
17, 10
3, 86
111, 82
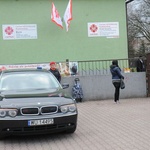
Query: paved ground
102, 125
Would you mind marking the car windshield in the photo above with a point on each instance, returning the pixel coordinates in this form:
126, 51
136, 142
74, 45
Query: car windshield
28, 81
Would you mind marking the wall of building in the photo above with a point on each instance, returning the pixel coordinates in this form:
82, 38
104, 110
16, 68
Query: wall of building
56, 44
101, 88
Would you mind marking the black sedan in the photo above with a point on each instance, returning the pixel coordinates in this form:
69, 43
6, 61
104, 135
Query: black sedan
32, 101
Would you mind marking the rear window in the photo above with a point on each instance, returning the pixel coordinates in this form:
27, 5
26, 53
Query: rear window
28, 80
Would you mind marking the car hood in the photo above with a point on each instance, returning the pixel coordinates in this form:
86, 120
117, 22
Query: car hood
32, 93
34, 98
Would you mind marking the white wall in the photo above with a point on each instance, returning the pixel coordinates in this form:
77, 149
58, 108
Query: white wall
100, 87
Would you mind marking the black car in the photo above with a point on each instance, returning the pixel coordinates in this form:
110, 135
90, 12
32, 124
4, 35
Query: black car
32, 101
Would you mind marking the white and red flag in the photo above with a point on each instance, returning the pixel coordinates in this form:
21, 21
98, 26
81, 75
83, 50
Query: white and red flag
68, 15
55, 17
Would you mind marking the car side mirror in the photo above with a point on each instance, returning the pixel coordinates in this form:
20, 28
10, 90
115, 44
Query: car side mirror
65, 85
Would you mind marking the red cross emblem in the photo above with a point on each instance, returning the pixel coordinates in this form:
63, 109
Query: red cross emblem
93, 28
9, 30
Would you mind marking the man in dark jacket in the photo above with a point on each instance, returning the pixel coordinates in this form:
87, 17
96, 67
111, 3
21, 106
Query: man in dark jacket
55, 71
140, 65
116, 79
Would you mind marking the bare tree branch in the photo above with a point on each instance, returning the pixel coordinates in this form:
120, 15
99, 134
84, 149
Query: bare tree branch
138, 18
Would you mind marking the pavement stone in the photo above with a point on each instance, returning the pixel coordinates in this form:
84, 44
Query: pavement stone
102, 125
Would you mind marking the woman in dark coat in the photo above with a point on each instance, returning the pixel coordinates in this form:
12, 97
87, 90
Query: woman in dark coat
116, 79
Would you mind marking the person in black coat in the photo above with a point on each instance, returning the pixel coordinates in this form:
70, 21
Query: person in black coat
55, 71
116, 79
140, 65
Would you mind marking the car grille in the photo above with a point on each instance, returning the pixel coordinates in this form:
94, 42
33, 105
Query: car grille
30, 111
49, 109
36, 110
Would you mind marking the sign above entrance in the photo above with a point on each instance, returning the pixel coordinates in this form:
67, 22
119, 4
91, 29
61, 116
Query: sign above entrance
19, 31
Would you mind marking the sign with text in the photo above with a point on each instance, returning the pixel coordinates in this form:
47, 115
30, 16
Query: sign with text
103, 29
65, 69
19, 31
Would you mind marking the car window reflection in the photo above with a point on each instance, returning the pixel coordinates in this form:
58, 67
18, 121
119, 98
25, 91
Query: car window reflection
28, 81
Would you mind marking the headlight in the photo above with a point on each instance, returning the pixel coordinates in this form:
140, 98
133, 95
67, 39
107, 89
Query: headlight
8, 112
72, 108
12, 113
64, 109
2, 113
68, 108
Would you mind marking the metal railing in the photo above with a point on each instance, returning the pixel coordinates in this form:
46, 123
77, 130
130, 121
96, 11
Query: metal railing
102, 67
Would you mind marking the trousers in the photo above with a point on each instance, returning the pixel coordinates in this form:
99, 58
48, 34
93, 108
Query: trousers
117, 91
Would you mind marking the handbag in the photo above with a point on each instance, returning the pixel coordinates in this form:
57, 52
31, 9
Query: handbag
122, 84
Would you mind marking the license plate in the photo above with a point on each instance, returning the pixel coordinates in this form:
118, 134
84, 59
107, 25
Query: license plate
40, 122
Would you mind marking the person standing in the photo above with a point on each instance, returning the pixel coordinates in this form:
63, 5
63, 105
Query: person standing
55, 71
140, 65
116, 79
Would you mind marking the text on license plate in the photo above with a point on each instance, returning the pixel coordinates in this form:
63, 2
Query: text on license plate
40, 122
